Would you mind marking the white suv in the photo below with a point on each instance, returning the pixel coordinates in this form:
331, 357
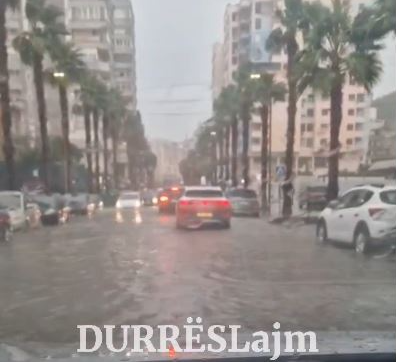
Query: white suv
362, 216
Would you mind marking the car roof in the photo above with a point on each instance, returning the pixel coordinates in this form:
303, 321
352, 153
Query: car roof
370, 188
203, 188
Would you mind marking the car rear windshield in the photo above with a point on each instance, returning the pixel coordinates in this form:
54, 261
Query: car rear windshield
388, 197
204, 193
129, 197
246, 194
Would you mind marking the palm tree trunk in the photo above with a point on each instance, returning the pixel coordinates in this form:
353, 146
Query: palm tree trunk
64, 106
227, 152
335, 124
264, 157
42, 115
287, 187
234, 151
245, 146
105, 151
5, 109
221, 153
96, 147
88, 145
114, 141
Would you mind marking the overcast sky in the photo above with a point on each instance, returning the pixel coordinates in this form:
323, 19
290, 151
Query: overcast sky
174, 40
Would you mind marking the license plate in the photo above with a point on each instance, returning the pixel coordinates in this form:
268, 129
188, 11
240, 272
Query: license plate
205, 214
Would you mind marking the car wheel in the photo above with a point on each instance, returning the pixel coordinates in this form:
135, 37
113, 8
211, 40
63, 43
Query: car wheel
321, 232
362, 240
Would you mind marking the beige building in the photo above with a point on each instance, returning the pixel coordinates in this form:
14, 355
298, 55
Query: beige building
246, 28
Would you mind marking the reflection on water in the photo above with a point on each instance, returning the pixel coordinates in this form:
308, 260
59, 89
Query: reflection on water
134, 217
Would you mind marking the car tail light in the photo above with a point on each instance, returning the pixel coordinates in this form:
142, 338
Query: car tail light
376, 212
225, 204
164, 198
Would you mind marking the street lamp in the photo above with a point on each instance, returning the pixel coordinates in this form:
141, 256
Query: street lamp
255, 76
213, 133
59, 74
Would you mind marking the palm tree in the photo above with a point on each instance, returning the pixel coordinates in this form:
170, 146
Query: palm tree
285, 37
69, 68
245, 90
87, 97
226, 107
116, 112
267, 91
32, 45
337, 49
5, 106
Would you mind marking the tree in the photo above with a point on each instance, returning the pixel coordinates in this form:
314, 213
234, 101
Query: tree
5, 106
337, 49
226, 108
245, 91
69, 68
32, 45
114, 114
267, 91
285, 37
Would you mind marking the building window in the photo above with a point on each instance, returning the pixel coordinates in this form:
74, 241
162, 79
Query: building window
350, 127
352, 97
303, 128
359, 127
256, 141
310, 112
360, 112
311, 98
324, 126
325, 112
258, 23
310, 127
325, 95
310, 142
234, 16
351, 112
323, 142
358, 140
258, 8
360, 97
234, 60
349, 141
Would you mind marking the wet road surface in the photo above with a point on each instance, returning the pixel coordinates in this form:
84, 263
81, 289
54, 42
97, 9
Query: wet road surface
138, 269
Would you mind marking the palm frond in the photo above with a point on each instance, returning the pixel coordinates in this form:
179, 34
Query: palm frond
365, 68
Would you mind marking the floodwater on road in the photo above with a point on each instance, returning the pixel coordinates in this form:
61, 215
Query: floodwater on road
137, 268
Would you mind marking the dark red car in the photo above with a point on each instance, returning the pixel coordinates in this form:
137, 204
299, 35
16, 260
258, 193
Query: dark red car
167, 199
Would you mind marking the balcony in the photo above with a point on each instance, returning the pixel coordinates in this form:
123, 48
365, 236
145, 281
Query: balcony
88, 24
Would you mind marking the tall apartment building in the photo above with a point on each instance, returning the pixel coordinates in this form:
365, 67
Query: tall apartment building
247, 26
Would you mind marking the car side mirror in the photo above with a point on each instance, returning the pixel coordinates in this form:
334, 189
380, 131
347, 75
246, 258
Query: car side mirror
333, 204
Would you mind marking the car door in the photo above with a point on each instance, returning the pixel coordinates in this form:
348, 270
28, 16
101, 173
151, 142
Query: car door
335, 217
353, 213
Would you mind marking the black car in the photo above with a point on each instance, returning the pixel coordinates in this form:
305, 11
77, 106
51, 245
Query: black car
53, 211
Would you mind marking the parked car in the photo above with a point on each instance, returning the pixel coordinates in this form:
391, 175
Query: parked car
202, 205
128, 200
244, 202
363, 217
53, 210
168, 198
313, 198
14, 203
5, 226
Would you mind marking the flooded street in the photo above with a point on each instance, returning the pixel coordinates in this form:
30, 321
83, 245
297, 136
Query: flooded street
139, 269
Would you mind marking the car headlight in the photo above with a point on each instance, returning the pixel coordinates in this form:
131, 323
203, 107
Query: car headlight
155, 200
138, 203
118, 204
